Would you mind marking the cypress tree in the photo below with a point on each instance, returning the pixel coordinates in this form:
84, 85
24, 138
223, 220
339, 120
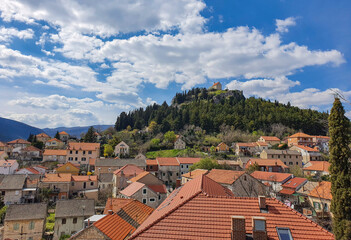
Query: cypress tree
57, 135
89, 136
339, 127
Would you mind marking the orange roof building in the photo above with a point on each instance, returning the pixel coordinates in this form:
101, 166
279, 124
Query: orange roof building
267, 165
203, 209
186, 177
317, 168
68, 168
300, 139
272, 176
222, 176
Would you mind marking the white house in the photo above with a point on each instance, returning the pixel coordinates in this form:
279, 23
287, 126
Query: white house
121, 149
8, 166
179, 143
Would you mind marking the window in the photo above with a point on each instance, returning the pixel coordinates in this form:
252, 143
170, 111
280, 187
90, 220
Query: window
30, 238
163, 174
297, 163
291, 163
17, 192
159, 197
74, 220
144, 200
15, 226
181, 166
316, 205
31, 225
285, 163
245, 179
83, 152
84, 159
91, 183
89, 152
284, 234
170, 174
187, 166
152, 199
70, 152
76, 152
70, 158
63, 221
260, 225
177, 174
72, 184
150, 167
76, 158
144, 190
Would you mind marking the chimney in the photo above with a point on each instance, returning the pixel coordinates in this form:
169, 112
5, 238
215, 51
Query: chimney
178, 183
109, 212
259, 229
262, 202
238, 228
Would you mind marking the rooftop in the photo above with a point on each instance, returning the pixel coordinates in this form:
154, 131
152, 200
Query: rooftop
13, 182
308, 149
224, 176
57, 177
6, 163
84, 178
19, 141
84, 146
115, 204
188, 160
265, 162
322, 166
167, 161
139, 176
270, 138
276, 151
132, 188
105, 177
160, 188
26, 211
63, 133
75, 208
294, 182
54, 140
195, 173
43, 135
301, 135
56, 152
271, 176
129, 170
322, 190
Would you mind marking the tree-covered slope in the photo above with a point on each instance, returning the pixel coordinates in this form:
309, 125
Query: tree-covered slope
210, 109
11, 130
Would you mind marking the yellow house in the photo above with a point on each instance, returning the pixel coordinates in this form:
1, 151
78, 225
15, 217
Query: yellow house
68, 168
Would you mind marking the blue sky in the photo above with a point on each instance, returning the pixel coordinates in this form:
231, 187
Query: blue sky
71, 63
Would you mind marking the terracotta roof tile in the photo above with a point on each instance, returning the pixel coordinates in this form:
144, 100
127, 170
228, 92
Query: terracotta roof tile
287, 191
271, 176
139, 176
249, 144
191, 214
294, 182
224, 176
31, 149
19, 141
307, 148
152, 162
80, 178
42, 135
132, 188
63, 133
300, 134
322, 166
322, 190
84, 146
161, 188
270, 138
57, 177
115, 204
55, 152
54, 140
6, 163
195, 173
92, 161
266, 162
167, 161
129, 170
185, 160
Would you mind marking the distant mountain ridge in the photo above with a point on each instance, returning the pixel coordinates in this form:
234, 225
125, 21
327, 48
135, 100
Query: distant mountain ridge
74, 131
11, 130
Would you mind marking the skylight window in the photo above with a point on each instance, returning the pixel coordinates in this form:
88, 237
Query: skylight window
284, 234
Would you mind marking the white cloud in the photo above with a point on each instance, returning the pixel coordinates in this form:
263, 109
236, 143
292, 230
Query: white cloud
6, 34
108, 17
283, 25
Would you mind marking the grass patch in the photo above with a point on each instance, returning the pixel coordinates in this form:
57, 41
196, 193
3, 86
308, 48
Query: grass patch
164, 153
50, 222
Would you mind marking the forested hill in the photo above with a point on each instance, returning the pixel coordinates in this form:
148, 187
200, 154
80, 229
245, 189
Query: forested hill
209, 109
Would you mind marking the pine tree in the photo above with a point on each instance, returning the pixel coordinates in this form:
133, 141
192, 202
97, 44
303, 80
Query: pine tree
90, 135
57, 135
340, 173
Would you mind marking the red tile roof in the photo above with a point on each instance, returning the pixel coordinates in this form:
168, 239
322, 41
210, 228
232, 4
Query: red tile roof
167, 161
271, 176
31, 149
270, 138
63, 133
57, 177
161, 188
224, 176
188, 160
325, 137
322, 190
139, 176
80, 178
195, 173
6, 163
300, 134
84, 146
42, 135
287, 191
322, 166
266, 162
248, 144
132, 188
129, 170
190, 213
215, 84
294, 182
30, 169
152, 162
55, 152
54, 140
115, 204
308, 149
19, 141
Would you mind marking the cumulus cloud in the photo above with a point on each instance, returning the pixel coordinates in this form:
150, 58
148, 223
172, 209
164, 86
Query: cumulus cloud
6, 34
283, 25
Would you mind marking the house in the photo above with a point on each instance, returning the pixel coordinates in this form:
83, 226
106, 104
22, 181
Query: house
288, 193
273, 180
267, 165
117, 225
11, 187
64, 136
141, 157
300, 139
25, 221
289, 157
320, 198
54, 155
151, 195
271, 140
19, 143
316, 169
121, 149
40, 169
250, 149
42, 137
113, 205
179, 143
30, 153
152, 166
81, 153
203, 209
222, 147
70, 215
185, 163
122, 176
84, 187
106, 165
58, 183
27, 171
105, 181
146, 178
8, 166
168, 170
55, 143
31, 189
239, 182
308, 153
186, 177
216, 86
322, 142
68, 168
